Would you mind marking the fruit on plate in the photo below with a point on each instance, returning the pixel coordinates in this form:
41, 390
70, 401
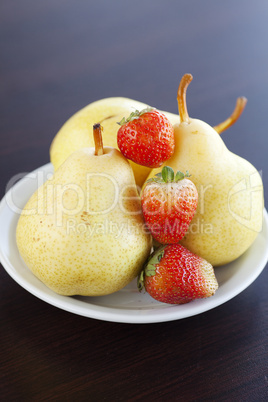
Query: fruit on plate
230, 207
174, 275
169, 203
75, 133
82, 233
146, 137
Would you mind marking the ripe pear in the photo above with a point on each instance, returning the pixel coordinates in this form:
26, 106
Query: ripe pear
230, 208
82, 232
74, 134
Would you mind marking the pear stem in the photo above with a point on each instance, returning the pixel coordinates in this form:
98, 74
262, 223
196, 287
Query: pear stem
181, 97
238, 110
97, 133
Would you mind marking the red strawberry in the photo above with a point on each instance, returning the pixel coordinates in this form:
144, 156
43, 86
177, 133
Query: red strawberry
174, 275
146, 137
169, 203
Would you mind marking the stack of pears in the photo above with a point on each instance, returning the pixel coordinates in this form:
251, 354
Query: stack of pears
82, 232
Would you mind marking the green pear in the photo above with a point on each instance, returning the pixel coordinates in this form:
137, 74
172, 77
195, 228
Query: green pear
230, 207
82, 232
74, 134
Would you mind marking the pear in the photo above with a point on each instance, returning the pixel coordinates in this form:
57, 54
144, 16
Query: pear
82, 232
230, 208
74, 134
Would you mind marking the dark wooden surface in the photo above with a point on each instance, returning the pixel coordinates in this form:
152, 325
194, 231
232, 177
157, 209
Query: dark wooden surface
56, 57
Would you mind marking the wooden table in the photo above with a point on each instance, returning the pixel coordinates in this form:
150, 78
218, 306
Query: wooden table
58, 56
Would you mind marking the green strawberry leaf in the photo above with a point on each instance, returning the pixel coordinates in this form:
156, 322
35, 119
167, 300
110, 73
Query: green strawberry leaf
149, 268
187, 173
134, 115
146, 110
140, 281
155, 179
167, 174
179, 176
154, 260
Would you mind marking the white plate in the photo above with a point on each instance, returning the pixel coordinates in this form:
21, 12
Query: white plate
127, 305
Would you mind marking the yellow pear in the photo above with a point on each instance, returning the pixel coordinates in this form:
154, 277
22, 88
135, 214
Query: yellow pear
230, 207
74, 134
82, 232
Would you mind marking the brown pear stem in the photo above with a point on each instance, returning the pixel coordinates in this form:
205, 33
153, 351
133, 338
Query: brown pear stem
238, 110
181, 97
97, 133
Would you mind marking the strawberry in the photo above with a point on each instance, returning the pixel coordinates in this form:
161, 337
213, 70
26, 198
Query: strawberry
146, 137
175, 275
168, 204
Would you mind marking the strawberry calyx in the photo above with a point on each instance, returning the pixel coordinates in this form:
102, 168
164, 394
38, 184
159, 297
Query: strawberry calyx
167, 175
150, 266
135, 115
